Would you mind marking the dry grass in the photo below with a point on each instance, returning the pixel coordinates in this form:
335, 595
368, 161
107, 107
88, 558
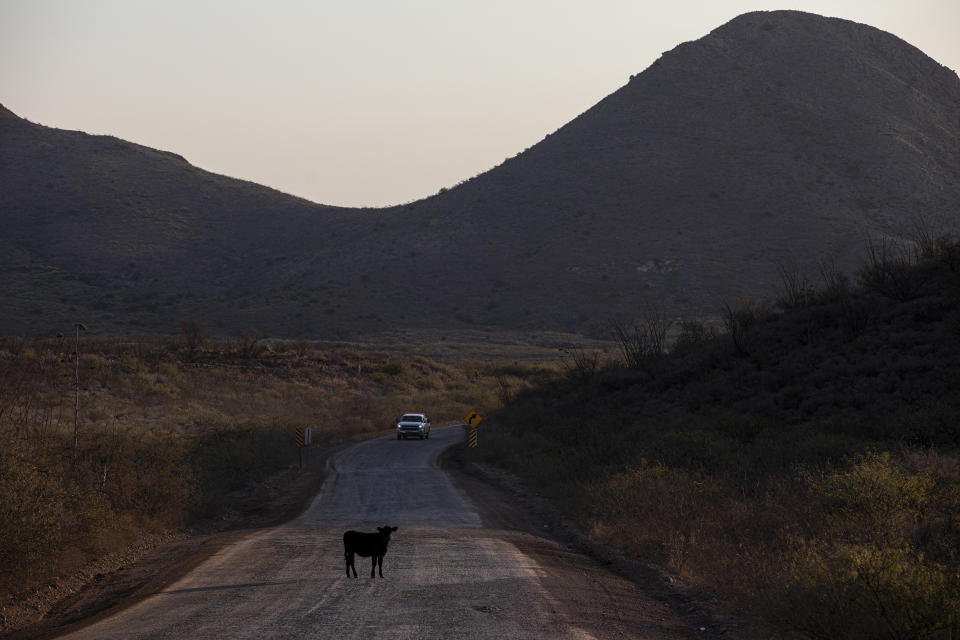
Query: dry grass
168, 429
806, 470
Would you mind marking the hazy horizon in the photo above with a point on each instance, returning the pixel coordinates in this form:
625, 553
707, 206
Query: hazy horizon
371, 104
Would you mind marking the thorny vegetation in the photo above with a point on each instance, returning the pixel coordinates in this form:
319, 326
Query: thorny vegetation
803, 463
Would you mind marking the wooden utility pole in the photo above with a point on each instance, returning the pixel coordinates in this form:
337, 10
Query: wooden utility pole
76, 404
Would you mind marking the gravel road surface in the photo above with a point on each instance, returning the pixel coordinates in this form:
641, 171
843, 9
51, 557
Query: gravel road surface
446, 574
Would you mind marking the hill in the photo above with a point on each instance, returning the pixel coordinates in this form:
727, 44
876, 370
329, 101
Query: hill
779, 137
129, 237
802, 467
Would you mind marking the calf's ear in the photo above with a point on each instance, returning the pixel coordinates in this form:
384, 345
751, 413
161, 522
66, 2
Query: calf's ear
393, 528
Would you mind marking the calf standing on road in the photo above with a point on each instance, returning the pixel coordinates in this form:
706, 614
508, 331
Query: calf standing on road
367, 545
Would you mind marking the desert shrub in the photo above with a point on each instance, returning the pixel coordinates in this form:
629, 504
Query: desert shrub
93, 362
250, 344
642, 341
692, 446
936, 248
513, 369
739, 320
302, 347
946, 251
853, 315
743, 427
194, 335
395, 367
41, 512
932, 426
863, 592
890, 271
227, 458
863, 550
834, 284
580, 364
693, 333
131, 364
876, 500
32, 509
152, 388
171, 373
655, 511
938, 531
143, 473
798, 290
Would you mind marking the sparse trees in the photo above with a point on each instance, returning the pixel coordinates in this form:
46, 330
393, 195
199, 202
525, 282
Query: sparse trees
889, 270
740, 319
581, 364
797, 288
642, 340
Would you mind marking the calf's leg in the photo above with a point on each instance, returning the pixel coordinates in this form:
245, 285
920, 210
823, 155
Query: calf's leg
349, 557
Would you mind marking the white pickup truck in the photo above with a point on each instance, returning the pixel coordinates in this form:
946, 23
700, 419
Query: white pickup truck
413, 425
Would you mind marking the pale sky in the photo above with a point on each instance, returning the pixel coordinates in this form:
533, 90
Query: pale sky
363, 102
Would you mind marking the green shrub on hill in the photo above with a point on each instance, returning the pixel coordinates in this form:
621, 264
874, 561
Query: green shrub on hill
806, 466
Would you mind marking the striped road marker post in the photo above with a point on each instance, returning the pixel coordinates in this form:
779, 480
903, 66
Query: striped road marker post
303, 438
473, 419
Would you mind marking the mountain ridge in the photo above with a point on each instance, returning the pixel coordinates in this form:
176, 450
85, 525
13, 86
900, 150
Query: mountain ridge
777, 137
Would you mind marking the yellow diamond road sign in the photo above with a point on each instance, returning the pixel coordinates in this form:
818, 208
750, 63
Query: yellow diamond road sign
473, 419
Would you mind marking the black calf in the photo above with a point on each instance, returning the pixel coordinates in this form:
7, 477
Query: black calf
367, 545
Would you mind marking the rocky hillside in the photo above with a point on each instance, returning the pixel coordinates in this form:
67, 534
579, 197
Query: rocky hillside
778, 137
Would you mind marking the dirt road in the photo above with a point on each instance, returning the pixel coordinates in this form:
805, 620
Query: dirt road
446, 574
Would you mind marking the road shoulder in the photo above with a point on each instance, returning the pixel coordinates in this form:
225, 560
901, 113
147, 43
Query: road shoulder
112, 584
504, 502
